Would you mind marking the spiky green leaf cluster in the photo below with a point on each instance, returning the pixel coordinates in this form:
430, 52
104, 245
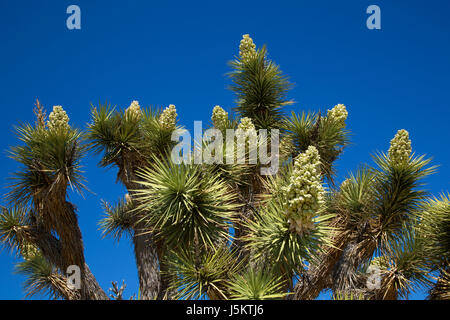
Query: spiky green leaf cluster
183, 205
43, 279
118, 219
130, 137
11, 221
327, 134
198, 273
257, 285
434, 230
398, 194
403, 268
441, 291
271, 239
260, 87
50, 161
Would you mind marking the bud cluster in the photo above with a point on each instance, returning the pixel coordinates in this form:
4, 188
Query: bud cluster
134, 109
168, 118
338, 114
219, 118
247, 49
400, 149
58, 119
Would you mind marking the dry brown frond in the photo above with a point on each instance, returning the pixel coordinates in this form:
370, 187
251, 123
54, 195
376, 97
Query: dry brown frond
39, 111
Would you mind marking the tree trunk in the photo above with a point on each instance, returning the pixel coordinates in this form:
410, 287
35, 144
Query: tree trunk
145, 250
147, 264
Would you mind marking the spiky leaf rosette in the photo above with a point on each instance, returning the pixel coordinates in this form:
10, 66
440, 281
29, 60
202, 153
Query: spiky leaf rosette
270, 238
200, 273
327, 134
41, 276
434, 230
288, 231
234, 174
127, 139
260, 87
235, 156
182, 206
403, 269
356, 196
50, 159
398, 195
257, 285
441, 291
43, 279
383, 208
12, 220
118, 219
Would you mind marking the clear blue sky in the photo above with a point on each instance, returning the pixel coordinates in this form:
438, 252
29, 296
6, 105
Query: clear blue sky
176, 52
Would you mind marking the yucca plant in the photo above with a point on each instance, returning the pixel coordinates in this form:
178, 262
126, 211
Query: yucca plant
127, 139
50, 157
433, 231
260, 86
218, 230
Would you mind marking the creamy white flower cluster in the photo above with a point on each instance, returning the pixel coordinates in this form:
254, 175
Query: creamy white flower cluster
246, 135
246, 124
247, 49
246, 127
28, 251
134, 109
400, 149
58, 119
305, 192
219, 117
338, 114
168, 118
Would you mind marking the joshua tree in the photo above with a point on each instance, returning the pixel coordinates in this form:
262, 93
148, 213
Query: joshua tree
225, 230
